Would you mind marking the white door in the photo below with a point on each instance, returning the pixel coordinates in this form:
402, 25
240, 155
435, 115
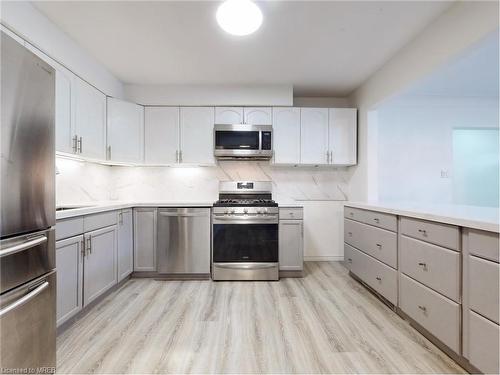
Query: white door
125, 244
90, 124
161, 135
69, 265
286, 135
197, 135
342, 137
258, 115
314, 135
291, 245
229, 115
125, 131
100, 263
145, 239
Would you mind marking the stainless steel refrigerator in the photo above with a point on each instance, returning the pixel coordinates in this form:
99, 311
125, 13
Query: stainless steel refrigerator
27, 243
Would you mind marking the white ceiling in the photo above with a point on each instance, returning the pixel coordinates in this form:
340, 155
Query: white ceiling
322, 48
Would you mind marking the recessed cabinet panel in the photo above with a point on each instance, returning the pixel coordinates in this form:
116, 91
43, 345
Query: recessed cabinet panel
286, 134
161, 129
291, 245
229, 115
342, 136
257, 115
145, 239
197, 129
125, 131
314, 136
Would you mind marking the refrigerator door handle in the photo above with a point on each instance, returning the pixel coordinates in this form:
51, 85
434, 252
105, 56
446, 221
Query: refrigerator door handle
21, 301
23, 246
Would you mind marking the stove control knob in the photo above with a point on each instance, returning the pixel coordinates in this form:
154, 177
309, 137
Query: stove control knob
259, 210
245, 210
265, 210
232, 211
226, 212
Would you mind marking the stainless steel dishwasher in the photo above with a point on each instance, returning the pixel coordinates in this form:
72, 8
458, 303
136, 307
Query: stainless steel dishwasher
183, 243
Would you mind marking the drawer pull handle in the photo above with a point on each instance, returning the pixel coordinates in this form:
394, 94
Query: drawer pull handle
378, 245
423, 231
422, 264
376, 220
350, 234
349, 260
351, 213
423, 308
379, 278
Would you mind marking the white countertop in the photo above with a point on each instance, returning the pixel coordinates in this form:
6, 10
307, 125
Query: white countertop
483, 218
96, 207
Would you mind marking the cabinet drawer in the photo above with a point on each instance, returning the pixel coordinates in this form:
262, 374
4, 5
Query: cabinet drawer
436, 233
483, 244
69, 227
434, 266
437, 314
379, 243
289, 213
93, 222
377, 275
483, 287
378, 219
348, 250
483, 344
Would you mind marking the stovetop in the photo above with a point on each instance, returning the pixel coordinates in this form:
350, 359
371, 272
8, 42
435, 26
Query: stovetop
257, 202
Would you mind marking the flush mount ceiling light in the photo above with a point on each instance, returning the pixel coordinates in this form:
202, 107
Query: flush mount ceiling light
239, 17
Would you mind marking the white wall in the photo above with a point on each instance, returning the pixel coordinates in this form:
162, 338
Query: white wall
27, 22
458, 28
415, 145
210, 95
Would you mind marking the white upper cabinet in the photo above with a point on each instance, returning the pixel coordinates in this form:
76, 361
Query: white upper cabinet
90, 125
258, 115
229, 115
343, 136
286, 135
161, 135
196, 135
314, 136
125, 131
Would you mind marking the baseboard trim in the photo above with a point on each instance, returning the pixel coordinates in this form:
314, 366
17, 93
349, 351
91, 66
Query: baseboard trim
328, 258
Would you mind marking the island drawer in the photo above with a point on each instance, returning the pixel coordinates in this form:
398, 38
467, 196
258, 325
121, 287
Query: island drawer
483, 290
378, 219
483, 344
383, 279
432, 265
291, 213
483, 244
437, 233
436, 313
101, 220
348, 255
379, 243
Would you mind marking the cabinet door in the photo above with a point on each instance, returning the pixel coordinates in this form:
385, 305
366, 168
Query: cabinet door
258, 116
90, 126
286, 134
343, 135
197, 135
229, 115
69, 265
100, 263
125, 131
291, 245
145, 239
161, 127
314, 135
125, 244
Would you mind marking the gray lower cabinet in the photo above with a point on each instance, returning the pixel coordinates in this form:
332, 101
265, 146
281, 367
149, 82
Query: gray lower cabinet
291, 245
145, 239
69, 264
100, 262
125, 231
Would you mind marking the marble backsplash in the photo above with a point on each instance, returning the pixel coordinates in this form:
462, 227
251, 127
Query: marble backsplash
81, 182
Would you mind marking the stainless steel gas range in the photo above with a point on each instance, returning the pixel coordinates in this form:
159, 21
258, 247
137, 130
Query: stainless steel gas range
245, 232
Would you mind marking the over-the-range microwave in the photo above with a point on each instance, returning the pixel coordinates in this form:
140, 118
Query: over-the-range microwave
243, 141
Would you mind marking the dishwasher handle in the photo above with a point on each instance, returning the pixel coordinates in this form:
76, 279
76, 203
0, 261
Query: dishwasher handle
184, 213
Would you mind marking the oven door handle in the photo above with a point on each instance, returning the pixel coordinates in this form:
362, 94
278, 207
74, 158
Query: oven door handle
254, 218
26, 298
235, 266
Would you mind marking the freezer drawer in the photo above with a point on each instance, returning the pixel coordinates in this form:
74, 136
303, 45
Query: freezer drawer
183, 241
28, 326
26, 257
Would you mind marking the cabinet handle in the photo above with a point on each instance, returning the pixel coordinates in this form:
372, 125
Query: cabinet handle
423, 308
180, 156
80, 145
379, 278
350, 234
351, 213
349, 260
331, 157
89, 245
423, 231
422, 264
74, 144
176, 156
378, 245
121, 218
109, 152
377, 220
83, 248
327, 157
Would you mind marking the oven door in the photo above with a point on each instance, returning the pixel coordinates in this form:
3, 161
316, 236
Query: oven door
244, 243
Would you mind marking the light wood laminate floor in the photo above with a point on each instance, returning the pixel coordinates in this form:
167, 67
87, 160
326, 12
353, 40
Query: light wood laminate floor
324, 323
